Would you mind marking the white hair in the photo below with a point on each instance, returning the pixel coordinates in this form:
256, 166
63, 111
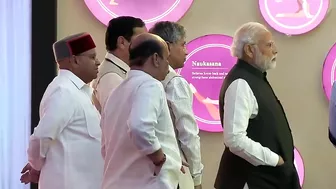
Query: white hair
246, 34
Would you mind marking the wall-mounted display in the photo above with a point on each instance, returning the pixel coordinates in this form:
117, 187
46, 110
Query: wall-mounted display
328, 73
294, 17
299, 165
150, 11
208, 62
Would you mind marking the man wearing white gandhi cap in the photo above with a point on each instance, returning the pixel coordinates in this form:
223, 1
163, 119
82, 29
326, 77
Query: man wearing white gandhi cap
64, 150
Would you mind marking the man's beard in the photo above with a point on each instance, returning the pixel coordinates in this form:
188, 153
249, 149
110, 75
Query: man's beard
263, 62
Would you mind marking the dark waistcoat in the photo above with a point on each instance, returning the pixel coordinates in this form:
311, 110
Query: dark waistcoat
270, 128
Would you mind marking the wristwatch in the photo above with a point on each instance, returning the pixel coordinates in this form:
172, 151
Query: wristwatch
161, 161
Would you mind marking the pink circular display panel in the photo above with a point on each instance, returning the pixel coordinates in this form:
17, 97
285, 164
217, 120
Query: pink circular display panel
299, 165
208, 62
294, 17
150, 11
328, 73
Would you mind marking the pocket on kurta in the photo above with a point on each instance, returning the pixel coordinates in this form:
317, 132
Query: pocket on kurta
157, 169
93, 123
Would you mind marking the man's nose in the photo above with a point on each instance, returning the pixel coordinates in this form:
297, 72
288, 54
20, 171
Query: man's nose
97, 62
275, 49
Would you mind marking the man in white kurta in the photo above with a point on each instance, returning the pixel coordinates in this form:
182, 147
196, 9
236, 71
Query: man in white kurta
259, 147
180, 100
114, 68
65, 145
138, 143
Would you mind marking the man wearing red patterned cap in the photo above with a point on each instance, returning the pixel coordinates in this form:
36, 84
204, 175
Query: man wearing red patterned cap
64, 150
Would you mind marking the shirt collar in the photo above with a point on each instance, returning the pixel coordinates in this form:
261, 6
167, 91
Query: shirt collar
171, 69
73, 78
132, 73
117, 61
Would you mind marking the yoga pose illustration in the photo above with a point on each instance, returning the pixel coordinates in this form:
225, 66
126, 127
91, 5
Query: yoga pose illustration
209, 103
112, 2
303, 11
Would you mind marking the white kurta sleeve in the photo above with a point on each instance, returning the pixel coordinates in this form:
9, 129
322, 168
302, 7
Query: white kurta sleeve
146, 108
56, 112
180, 101
238, 108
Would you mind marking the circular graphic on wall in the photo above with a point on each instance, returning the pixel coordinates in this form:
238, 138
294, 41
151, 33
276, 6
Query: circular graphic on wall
299, 165
294, 17
208, 62
328, 73
150, 11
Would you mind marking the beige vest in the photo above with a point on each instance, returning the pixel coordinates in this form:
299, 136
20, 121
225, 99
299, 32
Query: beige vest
106, 67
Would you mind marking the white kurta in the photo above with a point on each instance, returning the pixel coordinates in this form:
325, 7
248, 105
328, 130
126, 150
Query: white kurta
136, 122
65, 145
180, 100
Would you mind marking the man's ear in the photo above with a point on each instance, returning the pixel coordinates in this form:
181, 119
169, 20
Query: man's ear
121, 42
168, 45
156, 60
248, 50
75, 60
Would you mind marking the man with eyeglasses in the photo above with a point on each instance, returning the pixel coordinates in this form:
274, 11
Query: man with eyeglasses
180, 100
64, 150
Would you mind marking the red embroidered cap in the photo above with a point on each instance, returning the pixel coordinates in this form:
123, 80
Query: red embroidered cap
73, 45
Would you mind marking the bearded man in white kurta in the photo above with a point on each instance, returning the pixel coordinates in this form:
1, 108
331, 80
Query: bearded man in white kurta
139, 145
65, 145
